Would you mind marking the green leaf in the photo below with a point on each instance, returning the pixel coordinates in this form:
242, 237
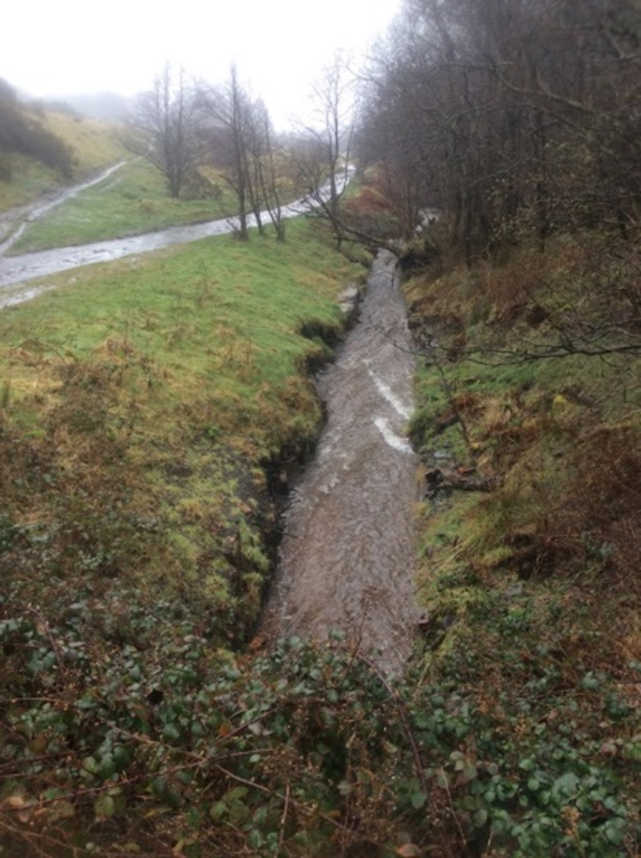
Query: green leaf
614, 831
442, 779
590, 681
218, 810
567, 783
418, 799
634, 752
480, 817
235, 794
470, 772
90, 765
104, 807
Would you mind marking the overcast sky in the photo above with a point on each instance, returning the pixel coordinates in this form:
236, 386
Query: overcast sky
65, 47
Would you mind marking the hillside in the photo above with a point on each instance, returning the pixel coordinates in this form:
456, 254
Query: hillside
145, 406
529, 427
41, 150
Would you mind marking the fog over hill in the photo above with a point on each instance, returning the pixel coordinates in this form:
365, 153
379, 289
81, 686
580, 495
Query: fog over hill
100, 105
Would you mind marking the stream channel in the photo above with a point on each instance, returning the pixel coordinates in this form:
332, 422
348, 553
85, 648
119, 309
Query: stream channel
346, 558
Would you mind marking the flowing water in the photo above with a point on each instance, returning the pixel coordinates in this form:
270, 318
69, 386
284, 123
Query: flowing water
346, 559
34, 211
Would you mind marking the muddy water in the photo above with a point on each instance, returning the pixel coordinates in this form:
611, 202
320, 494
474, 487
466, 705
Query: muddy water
347, 555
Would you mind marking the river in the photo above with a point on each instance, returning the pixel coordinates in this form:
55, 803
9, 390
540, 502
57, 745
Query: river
346, 559
20, 269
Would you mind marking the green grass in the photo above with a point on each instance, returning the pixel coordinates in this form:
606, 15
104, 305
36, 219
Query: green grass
213, 313
138, 405
141, 406
131, 201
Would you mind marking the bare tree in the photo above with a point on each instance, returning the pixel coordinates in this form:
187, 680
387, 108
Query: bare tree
228, 128
326, 147
240, 143
264, 167
510, 115
163, 128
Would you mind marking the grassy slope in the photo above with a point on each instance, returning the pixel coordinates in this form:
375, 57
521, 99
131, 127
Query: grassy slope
130, 202
531, 590
139, 407
177, 362
95, 145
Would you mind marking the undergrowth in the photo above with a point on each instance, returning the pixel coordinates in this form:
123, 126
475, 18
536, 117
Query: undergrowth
529, 427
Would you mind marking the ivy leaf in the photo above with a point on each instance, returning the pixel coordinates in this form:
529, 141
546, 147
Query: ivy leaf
218, 810
480, 817
614, 830
442, 779
235, 794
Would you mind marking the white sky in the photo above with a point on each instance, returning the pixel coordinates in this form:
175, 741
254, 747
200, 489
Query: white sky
65, 47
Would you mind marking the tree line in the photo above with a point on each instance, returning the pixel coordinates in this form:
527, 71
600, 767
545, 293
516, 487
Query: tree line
509, 115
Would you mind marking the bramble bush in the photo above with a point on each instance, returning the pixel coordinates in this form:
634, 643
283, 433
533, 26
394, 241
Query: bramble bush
162, 744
